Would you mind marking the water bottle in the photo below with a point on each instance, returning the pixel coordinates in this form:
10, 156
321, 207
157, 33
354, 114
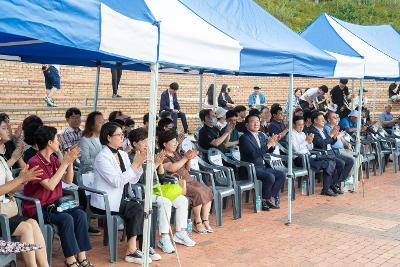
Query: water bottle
189, 227
346, 186
258, 203
304, 188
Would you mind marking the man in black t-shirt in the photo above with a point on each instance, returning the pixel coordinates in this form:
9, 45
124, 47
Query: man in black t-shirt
209, 135
340, 94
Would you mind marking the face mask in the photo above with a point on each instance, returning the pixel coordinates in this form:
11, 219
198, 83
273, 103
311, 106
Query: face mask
214, 121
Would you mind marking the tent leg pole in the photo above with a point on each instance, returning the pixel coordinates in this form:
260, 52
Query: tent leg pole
352, 93
290, 152
96, 88
201, 92
150, 169
358, 142
215, 91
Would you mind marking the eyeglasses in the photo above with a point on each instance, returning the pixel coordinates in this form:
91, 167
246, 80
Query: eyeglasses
119, 134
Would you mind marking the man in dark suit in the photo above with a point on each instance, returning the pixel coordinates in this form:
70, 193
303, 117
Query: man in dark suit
253, 146
169, 102
323, 140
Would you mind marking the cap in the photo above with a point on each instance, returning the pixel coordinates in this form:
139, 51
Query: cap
220, 112
257, 86
354, 113
332, 107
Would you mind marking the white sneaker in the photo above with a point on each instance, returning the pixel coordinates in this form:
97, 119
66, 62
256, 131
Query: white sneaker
165, 244
184, 239
154, 255
136, 257
351, 180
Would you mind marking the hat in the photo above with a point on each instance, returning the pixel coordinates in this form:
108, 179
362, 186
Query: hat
332, 107
353, 113
220, 112
257, 86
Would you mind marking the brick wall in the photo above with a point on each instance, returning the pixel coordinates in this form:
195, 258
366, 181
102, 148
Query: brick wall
22, 89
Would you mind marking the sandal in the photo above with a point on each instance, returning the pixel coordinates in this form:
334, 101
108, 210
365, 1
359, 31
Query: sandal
74, 264
208, 227
87, 263
199, 231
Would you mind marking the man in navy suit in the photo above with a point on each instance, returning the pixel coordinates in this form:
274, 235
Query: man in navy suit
323, 140
253, 146
169, 102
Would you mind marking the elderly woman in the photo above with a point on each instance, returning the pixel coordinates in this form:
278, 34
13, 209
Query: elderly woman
112, 172
72, 224
138, 139
26, 229
199, 194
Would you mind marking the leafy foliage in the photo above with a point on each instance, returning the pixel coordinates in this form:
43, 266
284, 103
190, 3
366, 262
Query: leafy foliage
297, 14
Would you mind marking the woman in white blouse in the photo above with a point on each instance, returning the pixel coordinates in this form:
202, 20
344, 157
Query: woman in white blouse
112, 171
26, 229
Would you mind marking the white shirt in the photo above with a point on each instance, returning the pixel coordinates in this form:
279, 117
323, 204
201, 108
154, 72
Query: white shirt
321, 132
312, 93
5, 174
257, 138
108, 177
300, 145
171, 101
258, 100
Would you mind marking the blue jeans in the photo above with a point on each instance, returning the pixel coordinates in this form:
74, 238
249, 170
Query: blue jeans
182, 116
72, 229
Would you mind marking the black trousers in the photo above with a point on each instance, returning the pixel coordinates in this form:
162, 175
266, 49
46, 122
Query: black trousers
115, 78
272, 181
182, 116
133, 222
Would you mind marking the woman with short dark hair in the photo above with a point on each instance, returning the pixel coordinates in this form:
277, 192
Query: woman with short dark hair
72, 223
199, 194
113, 171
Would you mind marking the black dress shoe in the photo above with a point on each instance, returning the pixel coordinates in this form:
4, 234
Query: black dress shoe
336, 189
328, 192
264, 206
271, 205
277, 202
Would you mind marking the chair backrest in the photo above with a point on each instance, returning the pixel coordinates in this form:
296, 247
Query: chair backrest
235, 152
194, 164
215, 157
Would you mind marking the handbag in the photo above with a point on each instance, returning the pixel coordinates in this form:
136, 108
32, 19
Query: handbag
171, 191
9, 207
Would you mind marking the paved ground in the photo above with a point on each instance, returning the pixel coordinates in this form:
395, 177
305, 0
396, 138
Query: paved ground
350, 230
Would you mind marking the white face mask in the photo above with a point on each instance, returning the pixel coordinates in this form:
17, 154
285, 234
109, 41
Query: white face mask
214, 121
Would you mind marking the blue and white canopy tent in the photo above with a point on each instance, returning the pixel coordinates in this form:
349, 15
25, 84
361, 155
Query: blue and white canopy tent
232, 37
377, 45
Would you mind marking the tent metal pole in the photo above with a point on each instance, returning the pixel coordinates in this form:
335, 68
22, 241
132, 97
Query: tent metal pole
150, 168
352, 93
215, 91
374, 103
358, 136
201, 92
96, 88
290, 152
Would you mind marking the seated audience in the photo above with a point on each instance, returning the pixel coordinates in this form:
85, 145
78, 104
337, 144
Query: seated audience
253, 146
307, 120
256, 99
29, 127
303, 144
209, 98
138, 139
200, 195
224, 99
220, 115
71, 135
146, 121
117, 114
209, 135
72, 224
276, 126
112, 173
26, 229
14, 148
169, 102
394, 92
165, 114
231, 119
242, 113
349, 123
165, 124
386, 119
265, 119
324, 141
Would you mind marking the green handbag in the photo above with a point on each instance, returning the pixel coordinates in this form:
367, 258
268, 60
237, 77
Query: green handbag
170, 191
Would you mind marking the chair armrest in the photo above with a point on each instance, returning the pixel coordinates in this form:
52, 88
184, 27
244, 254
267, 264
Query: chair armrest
71, 191
38, 207
5, 228
203, 174
168, 179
